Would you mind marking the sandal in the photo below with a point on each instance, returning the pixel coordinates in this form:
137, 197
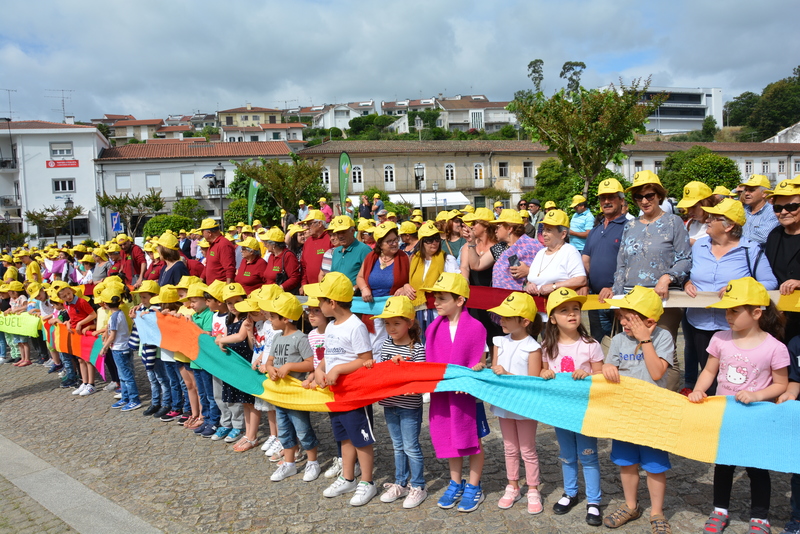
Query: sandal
622, 515
759, 526
245, 444
716, 523
659, 524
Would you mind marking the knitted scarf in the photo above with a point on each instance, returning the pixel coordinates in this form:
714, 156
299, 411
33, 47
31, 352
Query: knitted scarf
418, 267
400, 269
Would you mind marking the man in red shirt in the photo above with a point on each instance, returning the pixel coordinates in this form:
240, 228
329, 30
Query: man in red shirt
220, 255
133, 260
317, 242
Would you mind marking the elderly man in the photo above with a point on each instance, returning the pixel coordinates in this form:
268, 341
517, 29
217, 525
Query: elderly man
377, 205
325, 208
133, 259
302, 210
317, 242
760, 218
600, 253
185, 244
581, 222
220, 255
534, 207
350, 253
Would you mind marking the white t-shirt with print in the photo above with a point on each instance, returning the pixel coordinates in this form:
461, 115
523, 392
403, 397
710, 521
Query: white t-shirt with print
513, 356
344, 342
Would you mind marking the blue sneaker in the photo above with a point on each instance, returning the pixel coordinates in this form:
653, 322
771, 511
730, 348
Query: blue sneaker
119, 404
209, 430
792, 527
131, 406
233, 435
199, 429
451, 495
472, 497
220, 434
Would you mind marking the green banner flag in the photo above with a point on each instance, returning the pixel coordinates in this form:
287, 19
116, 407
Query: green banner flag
23, 324
252, 193
344, 177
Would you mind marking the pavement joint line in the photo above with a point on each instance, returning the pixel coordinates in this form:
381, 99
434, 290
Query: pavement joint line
80, 507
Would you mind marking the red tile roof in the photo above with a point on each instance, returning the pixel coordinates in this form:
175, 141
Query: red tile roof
284, 126
245, 110
468, 103
41, 125
194, 150
176, 140
178, 128
143, 122
242, 128
119, 117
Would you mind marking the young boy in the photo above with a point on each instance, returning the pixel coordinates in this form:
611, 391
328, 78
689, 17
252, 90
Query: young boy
203, 317
457, 421
347, 349
160, 391
116, 338
290, 354
644, 351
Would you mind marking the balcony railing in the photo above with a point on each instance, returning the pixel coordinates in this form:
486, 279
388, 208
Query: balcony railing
193, 191
7, 164
10, 201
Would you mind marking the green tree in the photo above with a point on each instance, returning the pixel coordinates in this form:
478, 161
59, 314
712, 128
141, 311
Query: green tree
571, 71
711, 169
104, 129
134, 141
738, 111
671, 173
709, 129
132, 208
208, 131
53, 218
586, 128
189, 208
237, 212
493, 193
557, 182
336, 133
778, 107
161, 223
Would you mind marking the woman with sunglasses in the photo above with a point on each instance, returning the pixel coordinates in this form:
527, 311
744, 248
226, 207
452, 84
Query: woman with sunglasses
783, 246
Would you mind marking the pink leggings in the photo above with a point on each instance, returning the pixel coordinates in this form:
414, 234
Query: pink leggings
520, 436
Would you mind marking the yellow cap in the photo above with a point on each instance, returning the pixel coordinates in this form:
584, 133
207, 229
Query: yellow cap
286, 305
209, 224
366, 225
341, 223
233, 290
469, 208
80, 247
397, 307
167, 295
517, 304
322, 199
301, 202
248, 305
101, 253
732, 209
122, 238
314, 215
267, 292
417, 219
250, 242
15, 286
556, 218
498, 204
7, 258
562, 295
312, 302
609, 186
427, 229
203, 243
239, 224
408, 227
442, 215
757, 180
293, 229
186, 281
419, 211
113, 248
508, 216
258, 223
108, 294
376, 195
182, 231
273, 234
334, 286
384, 228
525, 214
51, 294
196, 291
231, 228
247, 229
694, 192
58, 285
721, 190
642, 300
450, 283
283, 212
743, 292
33, 289
215, 289
391, 214
148, 247
168, 241
644, 178
577, 199
148, 286
786, 188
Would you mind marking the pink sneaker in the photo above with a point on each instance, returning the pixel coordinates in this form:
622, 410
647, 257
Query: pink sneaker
534, 502
508, 499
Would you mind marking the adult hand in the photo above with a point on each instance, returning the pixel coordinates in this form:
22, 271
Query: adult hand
690, 289
519, 271
531, 289
546, 289
366, 294
789, 286
582, 291
662, 287
605, 293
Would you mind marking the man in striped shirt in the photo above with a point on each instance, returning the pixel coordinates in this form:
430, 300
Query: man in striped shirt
761, 219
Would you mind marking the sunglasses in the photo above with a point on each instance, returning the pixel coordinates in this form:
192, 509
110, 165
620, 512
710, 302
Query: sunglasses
431, 240
794, 206
649, 196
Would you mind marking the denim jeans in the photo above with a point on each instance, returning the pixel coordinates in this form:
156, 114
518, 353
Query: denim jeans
3, 345
294, 425
176, 387
574, 446
404, 426
69, 367
160, 394
205, 390
600, 323
795, 498
127, 382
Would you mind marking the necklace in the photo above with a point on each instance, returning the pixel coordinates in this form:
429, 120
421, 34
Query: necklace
385, 263
544, 266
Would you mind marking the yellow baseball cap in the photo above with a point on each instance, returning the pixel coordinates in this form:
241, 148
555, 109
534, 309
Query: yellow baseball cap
197, 291
33, 289
417, 219
376, 195
408, 227
283, 212
732, 209
397, 307
113, 248
498, 204
293, 229
215, 289
757, 180
258, 223
525, 214
247, 229
745, 291
231, 228
15, 286
469, 208
267, 292
384, 228
122, 238
694, 192
562, 295
549, 204
609, 186
341, 223
187, 281
480, 214
233, 290
322, 199
167, 295
508, 216
286, 305
442, 216
427, 229
301, 202
366, 225
239, 224
391, 214
314, 215
786, 188
334, 286
250, 242
248, 305
721, 190
209, 224
577, 199
148, 286
7, 258
450, 283
642, 300
274, 234
51, 294
312, 302
168, 241
556, 218
517, 304
644, 178
203, 243
419, 211
108, 294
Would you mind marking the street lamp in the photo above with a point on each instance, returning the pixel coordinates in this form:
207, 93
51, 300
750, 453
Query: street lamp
219, 176
419, 174
7, 219
435, 197
69, 204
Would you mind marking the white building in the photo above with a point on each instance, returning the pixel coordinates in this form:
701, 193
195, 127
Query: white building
685, 109
473, 112
787, 135
45, 164
283, 131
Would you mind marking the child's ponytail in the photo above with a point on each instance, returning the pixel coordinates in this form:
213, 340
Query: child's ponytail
772, 321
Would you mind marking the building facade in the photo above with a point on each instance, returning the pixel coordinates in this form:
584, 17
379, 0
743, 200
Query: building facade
685, 109
248, 116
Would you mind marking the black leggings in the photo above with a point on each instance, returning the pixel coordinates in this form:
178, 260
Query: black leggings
760, 488
112, 368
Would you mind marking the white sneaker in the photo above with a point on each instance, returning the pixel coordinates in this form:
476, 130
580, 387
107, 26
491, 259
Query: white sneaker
111, 386
311, 472
118, 396
426, 398
415, 497
340, 486
79, 389
357, 471
393, 492
267, 444
365, 491
277, 452
88, 390
335, 469
61, 374
283, 471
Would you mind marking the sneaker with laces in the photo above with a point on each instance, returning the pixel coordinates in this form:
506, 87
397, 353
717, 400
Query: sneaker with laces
233, 436
276, 456
393, 492
715, 523
335, 469
311, 472
55, 368
117, 395
268, 443
119, 404
111, 386
472, 497
660, 525
757, 526
170, 416
88, 390
365, 491
451, 495
80, 389
534, 501
131, 406
340, 486
208, 431
415, 497
61, 374
283, 471
274, 446
162, 412
510, 496
792, 527
221, 432
153, 408
184, 418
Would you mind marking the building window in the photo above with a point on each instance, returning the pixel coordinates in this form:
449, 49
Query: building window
527, 173
294, 135
276, 136
502, 170
658, 166
765, 166
229, 121
358, 174
240, 139
450, 173
388, 174
326, 176
122, 181
244, 117
781, 166
637, 166
254, 138
256, 118
439, 123
273, 119
476, 120
797, 165
748, 167
480, 202
64, 185
152, 180
60, 150
477, 171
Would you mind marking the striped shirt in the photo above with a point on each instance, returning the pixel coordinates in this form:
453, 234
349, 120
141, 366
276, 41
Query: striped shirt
389, 350
149, 353
759, 224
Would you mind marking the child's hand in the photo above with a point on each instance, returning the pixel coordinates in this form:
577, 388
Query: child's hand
332, 376
746, 397
282, 372
611, 372
638, 329
479, 367
786, 397
369, 363
273, 373
697, 396
220, 344
309, 383
396, 359
579, 374
547, 374
498, 369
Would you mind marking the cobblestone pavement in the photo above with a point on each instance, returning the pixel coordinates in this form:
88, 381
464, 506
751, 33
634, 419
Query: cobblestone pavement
179, 482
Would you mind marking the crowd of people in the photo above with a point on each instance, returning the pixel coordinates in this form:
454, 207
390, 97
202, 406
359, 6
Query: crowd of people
242, 288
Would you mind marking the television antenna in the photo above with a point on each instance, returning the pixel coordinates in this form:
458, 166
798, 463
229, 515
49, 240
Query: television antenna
9, 112
64, 97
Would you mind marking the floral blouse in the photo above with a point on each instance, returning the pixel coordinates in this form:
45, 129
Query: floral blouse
649, 251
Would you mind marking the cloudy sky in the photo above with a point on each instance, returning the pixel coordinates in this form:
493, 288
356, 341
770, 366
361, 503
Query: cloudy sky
154, 58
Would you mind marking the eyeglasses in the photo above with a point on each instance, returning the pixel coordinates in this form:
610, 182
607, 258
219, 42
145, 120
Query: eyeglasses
431, 240
794, 206
391, 242
649, 196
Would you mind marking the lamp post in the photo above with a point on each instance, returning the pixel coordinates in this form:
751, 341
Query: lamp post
219, 175
419, 174
69, 204
7, 219
435, 196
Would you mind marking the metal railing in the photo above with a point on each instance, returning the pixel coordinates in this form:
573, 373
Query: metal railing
10, 201
8, 164
189, 191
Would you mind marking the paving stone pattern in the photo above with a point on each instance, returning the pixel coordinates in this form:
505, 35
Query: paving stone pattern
180, 482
